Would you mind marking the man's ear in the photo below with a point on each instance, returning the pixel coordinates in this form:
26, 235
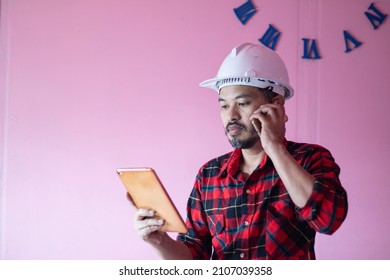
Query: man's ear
278, 100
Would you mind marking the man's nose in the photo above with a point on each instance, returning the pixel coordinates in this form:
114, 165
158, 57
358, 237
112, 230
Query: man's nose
233, 114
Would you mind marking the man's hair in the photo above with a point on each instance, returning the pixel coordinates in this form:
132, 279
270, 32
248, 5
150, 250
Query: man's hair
268, 94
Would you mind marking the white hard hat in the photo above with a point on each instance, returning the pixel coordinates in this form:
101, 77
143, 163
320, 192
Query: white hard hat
252, 65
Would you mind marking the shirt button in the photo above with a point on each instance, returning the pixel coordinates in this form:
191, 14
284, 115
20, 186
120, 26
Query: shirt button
246, 223
242, 255
248, 191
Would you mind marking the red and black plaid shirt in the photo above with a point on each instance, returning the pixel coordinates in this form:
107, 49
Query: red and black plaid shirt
230, 217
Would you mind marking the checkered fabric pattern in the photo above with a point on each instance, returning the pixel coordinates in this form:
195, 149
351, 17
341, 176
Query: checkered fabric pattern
233, 217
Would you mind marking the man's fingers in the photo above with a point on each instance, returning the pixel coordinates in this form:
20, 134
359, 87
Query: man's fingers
142, 214
257, 124
146, 232
140, 224
267, 112
147, 225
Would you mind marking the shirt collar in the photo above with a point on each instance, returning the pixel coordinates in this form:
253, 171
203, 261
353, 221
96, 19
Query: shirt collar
232, 164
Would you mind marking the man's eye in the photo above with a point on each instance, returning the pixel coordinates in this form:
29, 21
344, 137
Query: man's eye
224, 106
243, 104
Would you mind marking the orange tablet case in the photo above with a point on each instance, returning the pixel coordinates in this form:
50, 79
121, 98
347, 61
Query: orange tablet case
147, 191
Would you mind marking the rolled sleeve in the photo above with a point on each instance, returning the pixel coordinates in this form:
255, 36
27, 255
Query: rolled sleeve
327, 206
198, 238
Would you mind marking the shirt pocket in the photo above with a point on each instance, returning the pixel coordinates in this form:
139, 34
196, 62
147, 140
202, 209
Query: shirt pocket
221, 239
286, 237
216, 224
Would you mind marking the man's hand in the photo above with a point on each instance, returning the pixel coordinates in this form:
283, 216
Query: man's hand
298, 182
147, 225
273, 118
148, 228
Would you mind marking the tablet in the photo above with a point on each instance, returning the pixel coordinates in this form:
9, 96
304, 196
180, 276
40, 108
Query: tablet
147, 191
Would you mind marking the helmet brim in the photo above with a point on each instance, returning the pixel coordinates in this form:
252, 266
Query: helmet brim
283, 89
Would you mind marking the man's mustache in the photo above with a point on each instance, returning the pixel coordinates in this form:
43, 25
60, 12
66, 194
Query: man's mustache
235, 123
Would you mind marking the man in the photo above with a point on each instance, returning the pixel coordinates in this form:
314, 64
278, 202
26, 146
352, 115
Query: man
268, 197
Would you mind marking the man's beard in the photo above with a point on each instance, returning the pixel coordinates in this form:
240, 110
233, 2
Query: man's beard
245, 143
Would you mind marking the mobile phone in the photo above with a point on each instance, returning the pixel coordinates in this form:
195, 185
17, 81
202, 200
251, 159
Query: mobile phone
257, 124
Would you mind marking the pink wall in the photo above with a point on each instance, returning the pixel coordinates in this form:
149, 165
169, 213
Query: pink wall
89, 86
